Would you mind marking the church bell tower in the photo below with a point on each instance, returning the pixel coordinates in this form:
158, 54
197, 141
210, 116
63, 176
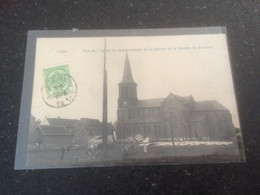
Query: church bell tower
127, 98
127, 87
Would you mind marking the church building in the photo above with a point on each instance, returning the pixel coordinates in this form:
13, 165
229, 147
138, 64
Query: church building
172, 117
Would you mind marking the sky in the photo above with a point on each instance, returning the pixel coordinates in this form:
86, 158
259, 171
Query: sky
184, 65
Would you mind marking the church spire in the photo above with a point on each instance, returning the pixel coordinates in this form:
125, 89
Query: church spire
127, 76
127, 87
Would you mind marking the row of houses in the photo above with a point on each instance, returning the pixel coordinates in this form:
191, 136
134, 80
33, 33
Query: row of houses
58, 132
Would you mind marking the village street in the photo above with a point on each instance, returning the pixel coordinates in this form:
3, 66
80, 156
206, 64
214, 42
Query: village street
181, 152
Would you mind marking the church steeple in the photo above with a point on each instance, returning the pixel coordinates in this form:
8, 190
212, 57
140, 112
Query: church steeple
127, 86
127, 75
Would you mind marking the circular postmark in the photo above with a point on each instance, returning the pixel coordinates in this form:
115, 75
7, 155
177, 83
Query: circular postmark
59, 89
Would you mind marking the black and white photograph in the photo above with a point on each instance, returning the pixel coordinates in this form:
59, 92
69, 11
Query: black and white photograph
128, 99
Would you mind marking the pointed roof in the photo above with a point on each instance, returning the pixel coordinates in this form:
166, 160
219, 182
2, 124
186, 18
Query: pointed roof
185, 99
127, 75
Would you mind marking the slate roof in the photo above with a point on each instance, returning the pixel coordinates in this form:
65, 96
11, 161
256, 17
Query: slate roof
87, 122
95, 125
187, 98
68, 123
54, 130
149, 103
208, 105
181, 98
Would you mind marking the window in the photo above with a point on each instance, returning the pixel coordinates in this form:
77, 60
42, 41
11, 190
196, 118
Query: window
123, 92
126, 91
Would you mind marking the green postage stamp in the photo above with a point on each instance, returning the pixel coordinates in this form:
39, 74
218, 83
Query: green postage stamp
59, 86
57, 82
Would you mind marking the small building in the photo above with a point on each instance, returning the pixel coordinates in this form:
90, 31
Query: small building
87, 126
55, 136
79, 131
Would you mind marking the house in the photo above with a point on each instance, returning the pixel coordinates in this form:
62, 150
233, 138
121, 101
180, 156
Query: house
80, 131
91, 129
55, 136
87, 126
172, 117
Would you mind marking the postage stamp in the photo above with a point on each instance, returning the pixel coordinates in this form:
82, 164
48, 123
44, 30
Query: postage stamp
59, 88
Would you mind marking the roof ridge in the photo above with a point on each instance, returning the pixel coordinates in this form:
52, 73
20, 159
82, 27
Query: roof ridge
204, 105
207, 101
151, 99
89, 119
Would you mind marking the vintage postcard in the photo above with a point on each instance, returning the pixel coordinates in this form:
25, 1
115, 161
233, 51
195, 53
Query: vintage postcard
127, 97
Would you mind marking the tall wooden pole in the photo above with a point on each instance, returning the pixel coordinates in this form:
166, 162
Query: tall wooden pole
105, 104
173, 144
